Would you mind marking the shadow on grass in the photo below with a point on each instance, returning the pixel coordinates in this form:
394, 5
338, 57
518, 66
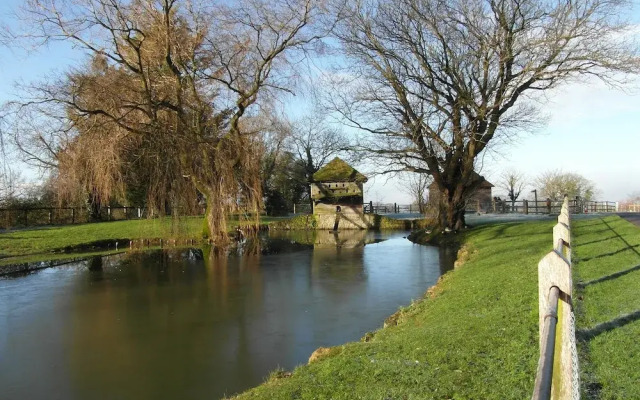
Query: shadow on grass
500, 232
614, 275
597, 222
589, 334
594, 241
612, 253
593, 232
623, 239
608, 277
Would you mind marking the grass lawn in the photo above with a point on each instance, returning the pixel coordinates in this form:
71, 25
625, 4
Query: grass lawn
475, 336
608, 307
29, 242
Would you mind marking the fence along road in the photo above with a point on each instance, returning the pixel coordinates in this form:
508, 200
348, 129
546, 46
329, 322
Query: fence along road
557, 375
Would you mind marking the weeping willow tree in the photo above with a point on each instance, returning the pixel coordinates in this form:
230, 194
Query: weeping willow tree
171, 96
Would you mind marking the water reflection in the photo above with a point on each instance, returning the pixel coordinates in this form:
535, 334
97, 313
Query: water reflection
199, 323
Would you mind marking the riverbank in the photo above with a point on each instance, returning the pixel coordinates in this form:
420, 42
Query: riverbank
55, 242
474, 335
46, 246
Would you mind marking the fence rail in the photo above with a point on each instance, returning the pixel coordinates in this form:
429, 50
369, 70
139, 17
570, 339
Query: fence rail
576, 206
37, 216
498, 206
393, 208
556, 319
34, 216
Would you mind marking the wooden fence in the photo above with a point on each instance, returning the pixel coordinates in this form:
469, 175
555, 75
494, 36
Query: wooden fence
557, 375
576, 206
392, 208
38, 216
35, 216
498, 206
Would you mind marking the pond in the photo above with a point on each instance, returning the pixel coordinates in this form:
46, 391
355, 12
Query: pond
193, 324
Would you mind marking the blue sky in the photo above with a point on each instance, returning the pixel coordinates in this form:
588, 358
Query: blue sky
592, 129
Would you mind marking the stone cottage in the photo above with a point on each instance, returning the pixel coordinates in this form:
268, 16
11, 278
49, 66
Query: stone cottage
337, 187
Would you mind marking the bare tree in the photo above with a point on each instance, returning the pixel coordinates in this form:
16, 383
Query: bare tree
437, 82
172, 86
556, 184
10, 182
316, 142
417, 186
513, 182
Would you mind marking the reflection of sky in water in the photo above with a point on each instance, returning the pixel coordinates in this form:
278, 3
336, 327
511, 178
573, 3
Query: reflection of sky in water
174, 326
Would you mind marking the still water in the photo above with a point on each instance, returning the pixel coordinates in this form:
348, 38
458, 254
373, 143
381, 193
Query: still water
192, 324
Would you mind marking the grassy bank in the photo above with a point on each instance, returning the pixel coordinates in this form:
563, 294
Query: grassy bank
21, 245
607, 275
472, 337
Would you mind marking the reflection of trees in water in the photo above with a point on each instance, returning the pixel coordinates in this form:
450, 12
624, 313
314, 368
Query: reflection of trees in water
149, 316
305, 236
448, 254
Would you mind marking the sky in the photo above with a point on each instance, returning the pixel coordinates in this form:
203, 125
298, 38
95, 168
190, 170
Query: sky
591, 129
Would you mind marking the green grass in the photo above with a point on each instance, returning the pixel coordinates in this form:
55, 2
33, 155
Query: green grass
609, 346
474, 336
21, 245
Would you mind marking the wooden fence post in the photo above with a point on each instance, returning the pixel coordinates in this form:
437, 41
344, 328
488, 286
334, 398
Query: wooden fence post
526, 207
554, 273
50, 216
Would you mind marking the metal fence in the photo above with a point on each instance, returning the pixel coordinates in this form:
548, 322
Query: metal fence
556, 319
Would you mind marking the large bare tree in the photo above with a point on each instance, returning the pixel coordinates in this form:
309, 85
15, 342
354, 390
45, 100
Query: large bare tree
315, 142
437, 82
172, 86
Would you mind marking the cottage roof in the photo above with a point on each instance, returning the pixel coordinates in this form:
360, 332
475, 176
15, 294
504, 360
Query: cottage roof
485, 183
338, 171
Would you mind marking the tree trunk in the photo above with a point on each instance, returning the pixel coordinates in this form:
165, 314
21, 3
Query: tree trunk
95, 206
453, 203
214, 226
452, 212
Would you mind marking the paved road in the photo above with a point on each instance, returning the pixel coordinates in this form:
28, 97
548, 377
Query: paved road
634, 218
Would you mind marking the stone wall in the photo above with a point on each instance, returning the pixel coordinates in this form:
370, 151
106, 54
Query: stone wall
345, 209
346, 220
